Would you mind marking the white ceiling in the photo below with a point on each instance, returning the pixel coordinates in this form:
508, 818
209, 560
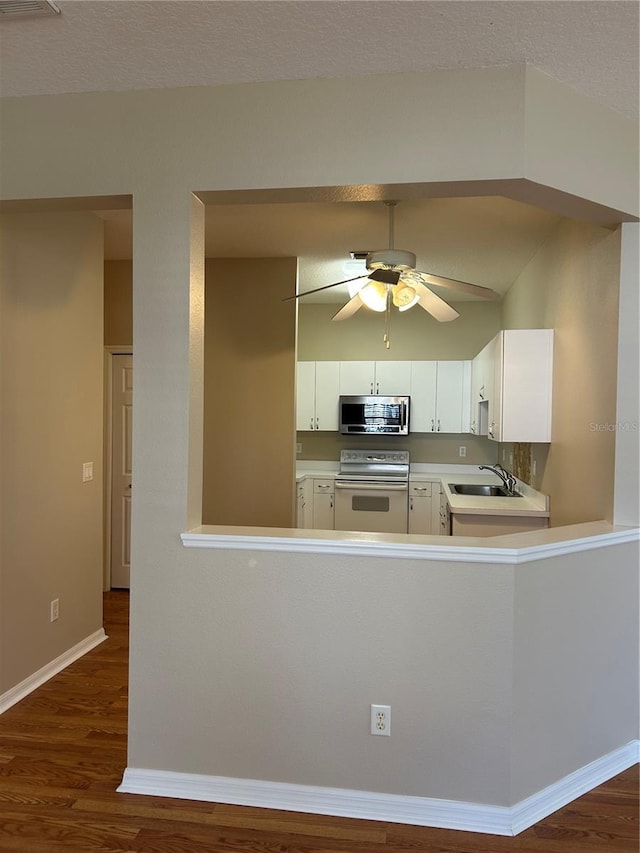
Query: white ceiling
101, 45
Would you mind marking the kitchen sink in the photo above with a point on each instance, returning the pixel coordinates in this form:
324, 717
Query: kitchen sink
484, 491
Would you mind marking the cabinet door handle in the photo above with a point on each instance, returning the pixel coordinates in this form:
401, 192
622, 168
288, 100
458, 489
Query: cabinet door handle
372, 387
311, 424
331, 503
432, 425
410, 504
323, 486
438, 424
377, 387
419, 488
317, 423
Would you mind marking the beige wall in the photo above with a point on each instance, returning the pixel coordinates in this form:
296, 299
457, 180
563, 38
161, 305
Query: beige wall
51, 337
249, 371
249, 414
118, 303
219, 637
415, 335
575, 663
423, 447
571, 286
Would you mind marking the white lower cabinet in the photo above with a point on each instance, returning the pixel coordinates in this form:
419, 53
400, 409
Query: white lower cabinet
323, 504
420, 508
304, 504
444, 515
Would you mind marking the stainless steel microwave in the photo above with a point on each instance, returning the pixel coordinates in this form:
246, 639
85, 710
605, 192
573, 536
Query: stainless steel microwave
374, 415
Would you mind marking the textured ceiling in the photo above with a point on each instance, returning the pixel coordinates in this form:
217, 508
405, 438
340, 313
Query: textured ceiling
100, 45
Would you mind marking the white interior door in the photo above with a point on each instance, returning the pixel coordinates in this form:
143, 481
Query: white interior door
121, 421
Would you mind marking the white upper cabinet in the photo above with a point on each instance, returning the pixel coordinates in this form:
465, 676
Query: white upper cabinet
439, 396
504, 393
327, 393
317, 394
390, 378
520, 402
393, 378
305, 395
357, 377
422, 412
482, 372
481, 385
452, 412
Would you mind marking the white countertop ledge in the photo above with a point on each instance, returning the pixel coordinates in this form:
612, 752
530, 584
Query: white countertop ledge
513, 548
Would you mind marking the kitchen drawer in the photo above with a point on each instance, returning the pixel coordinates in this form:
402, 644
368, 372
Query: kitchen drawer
420, 490
323, 487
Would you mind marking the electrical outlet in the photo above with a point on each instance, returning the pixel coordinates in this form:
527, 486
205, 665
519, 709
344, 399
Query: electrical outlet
462, 450
54, 610
381, 720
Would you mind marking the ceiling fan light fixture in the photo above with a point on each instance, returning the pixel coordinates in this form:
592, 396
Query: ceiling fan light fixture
404, 296
356, 285
374, 296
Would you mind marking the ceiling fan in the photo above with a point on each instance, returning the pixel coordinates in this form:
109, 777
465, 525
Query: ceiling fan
392, 279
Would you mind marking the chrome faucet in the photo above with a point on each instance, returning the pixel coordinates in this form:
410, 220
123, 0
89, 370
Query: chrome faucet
508, 479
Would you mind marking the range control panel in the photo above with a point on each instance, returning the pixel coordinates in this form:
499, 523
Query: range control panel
384, 457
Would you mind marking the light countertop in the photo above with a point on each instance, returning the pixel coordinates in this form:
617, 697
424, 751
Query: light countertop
531, 504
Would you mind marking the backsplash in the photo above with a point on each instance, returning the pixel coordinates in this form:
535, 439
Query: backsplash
522, 461
423, 447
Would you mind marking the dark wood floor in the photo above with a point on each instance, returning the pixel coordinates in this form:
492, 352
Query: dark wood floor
63, 751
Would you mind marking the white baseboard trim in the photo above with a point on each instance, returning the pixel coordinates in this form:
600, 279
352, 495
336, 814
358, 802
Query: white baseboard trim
15, 694
341, 802
390, 808
555, 796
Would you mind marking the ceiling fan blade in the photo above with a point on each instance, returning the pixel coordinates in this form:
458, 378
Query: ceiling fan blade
349, 309
326, 287
434, 305
452, 284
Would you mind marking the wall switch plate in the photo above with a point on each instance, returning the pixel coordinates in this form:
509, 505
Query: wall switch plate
298, 448
381, 720
462, 450
533, 468
54, 610
87, 471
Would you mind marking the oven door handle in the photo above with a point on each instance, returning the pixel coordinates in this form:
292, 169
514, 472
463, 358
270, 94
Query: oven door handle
372, 487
